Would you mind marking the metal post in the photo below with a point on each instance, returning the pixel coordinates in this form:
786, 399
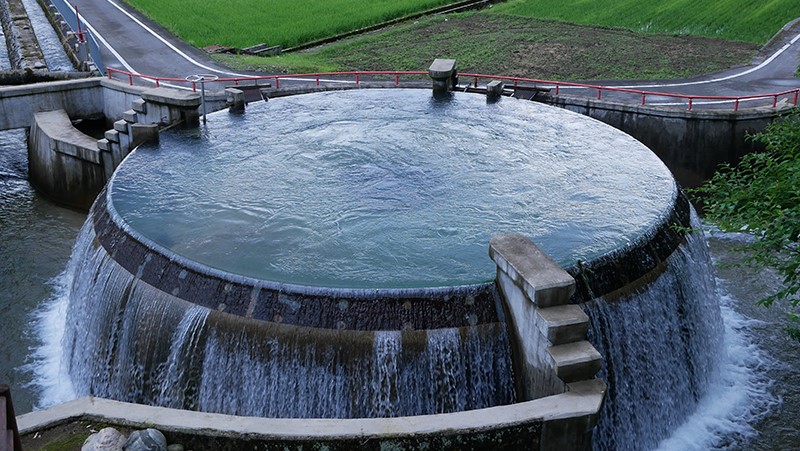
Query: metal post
202, 78
203, 98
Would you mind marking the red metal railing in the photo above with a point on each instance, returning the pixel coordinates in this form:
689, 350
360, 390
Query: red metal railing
317, 77
792, 94
641, 96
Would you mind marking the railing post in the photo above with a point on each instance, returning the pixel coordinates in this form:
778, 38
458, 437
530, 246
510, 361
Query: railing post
397, 79
557, 85
775, 101
736, 106
599, 93
476, 82
277, 83
690, 103
10, 423
796, 92
642, 98
317, 80
356, 79
130, 79
158, 83
194, 87
108, 71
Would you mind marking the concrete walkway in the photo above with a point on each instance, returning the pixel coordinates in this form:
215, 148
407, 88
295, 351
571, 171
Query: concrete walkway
136, 44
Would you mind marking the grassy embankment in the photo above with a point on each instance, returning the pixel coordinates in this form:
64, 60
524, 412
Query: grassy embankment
737, 20
617, 39
244, 23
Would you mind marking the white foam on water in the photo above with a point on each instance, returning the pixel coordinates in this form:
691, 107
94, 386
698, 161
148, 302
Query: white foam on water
49, 372
739, 393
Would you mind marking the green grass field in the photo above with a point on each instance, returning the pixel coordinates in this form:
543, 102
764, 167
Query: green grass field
514, 45
243, 23
741, 20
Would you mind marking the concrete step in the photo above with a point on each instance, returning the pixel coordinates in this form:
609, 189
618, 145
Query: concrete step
576, 361
533, 271
563, 323
130, 116
121, 126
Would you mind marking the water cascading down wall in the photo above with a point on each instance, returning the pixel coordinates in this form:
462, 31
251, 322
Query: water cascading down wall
327, 256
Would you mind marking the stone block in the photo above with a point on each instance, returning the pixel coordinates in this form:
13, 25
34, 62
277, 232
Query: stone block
444, 75
104, 145
142, 133
121, 126
139, 106
130, 116
172, 97
495, 87
575, 361
442, 68
542, 280
563, 323
235, 100
112, 136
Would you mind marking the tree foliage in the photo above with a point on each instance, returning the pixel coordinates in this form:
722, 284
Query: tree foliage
761, 196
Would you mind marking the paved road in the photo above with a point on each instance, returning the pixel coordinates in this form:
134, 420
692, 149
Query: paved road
131, 42
136, 44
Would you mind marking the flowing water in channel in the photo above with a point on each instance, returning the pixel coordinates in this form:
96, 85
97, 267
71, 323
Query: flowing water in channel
56, 59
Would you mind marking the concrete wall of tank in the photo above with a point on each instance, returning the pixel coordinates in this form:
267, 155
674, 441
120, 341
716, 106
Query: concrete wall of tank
553, 423
64, 163
691, 143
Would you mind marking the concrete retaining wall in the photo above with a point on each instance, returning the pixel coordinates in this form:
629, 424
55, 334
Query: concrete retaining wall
63, 162
553, 423
69, 166
82, 98
78, 98
691, 143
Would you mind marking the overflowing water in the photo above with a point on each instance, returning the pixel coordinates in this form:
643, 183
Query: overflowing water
35, 242
660, 347
54, 54
127, 340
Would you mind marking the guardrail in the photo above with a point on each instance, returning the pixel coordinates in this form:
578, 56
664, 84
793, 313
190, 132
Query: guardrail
70, 14
791, 94
9, 433
318, 78
622, 94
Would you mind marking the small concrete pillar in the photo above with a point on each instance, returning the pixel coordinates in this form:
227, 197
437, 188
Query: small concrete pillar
444, 75
494, 90
235, 100
167, 106
142, 133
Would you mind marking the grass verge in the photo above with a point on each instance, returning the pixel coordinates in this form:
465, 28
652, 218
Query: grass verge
740, 20
288, 23
516, 46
